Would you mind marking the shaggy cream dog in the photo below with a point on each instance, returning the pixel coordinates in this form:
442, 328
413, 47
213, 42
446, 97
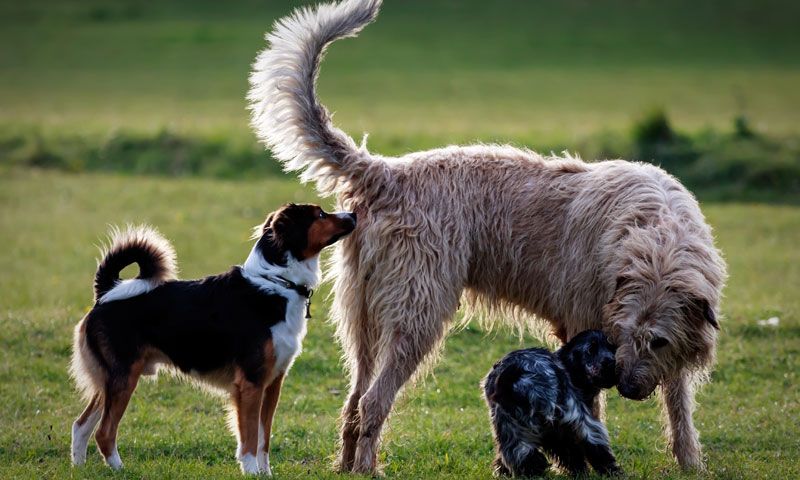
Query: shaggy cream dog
614, 245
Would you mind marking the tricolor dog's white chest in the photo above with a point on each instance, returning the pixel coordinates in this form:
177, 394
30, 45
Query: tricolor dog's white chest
289, 332
287, 336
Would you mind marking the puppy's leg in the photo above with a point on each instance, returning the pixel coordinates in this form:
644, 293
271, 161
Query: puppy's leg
499, 468
601, 458
247, 397
567, 453
116, 397
502, 434
82, 429
268, 406
678, 402
524, 460
591, 435
514, 456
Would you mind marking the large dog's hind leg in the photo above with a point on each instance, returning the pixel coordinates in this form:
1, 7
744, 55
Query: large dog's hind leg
405, 344
358, 335
678, 403
362, 367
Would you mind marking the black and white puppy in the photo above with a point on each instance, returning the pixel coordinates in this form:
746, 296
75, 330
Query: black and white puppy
541, 402
238, 332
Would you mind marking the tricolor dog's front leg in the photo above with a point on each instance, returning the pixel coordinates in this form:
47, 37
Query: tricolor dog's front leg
270, 403
246, 397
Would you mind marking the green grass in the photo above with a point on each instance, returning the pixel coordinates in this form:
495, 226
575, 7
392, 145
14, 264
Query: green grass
749, 415
553, 72
427, 72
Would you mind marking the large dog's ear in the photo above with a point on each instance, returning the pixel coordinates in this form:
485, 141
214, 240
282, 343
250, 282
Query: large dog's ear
701, 308
709, 314
619, 284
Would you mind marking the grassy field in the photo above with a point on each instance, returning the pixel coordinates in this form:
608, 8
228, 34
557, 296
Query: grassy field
749, 415
542, 73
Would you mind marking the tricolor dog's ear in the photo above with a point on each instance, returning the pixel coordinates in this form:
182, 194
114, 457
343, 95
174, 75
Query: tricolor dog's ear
263, 228
268, 221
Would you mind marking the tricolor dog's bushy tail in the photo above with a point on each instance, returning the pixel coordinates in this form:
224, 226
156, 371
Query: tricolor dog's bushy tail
286, 112
142, 245
155, 256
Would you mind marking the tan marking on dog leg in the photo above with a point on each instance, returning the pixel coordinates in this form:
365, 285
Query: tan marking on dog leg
116, 399
82, 429
269, 405
247, 399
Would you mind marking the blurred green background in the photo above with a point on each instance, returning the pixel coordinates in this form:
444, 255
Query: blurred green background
123, 111
707, 89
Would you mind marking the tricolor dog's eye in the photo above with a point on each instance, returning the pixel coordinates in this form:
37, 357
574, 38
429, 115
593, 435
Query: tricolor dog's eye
322, 214
658, 342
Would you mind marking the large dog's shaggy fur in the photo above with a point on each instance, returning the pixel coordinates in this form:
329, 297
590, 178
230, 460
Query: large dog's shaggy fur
614, 245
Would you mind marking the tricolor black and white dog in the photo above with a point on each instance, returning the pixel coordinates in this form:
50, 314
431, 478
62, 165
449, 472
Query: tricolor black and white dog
238, 332
541, 402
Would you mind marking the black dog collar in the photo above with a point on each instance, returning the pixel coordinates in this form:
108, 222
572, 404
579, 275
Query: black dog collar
301, 290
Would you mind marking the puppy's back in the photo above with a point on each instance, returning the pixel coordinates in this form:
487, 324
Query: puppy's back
527, 380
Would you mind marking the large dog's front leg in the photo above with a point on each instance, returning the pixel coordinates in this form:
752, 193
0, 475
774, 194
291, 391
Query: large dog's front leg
678, 403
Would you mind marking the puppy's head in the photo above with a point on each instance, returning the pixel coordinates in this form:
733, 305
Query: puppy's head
301, 231
589, 358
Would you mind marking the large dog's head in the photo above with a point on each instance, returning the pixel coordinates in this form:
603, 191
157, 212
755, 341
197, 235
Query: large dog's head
662, 316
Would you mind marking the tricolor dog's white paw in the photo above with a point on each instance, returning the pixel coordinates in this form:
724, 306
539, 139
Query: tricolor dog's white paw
263, 464
114, 461
249, 464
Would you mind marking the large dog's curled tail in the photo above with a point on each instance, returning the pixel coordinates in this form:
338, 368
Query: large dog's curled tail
286, 113
142, 245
